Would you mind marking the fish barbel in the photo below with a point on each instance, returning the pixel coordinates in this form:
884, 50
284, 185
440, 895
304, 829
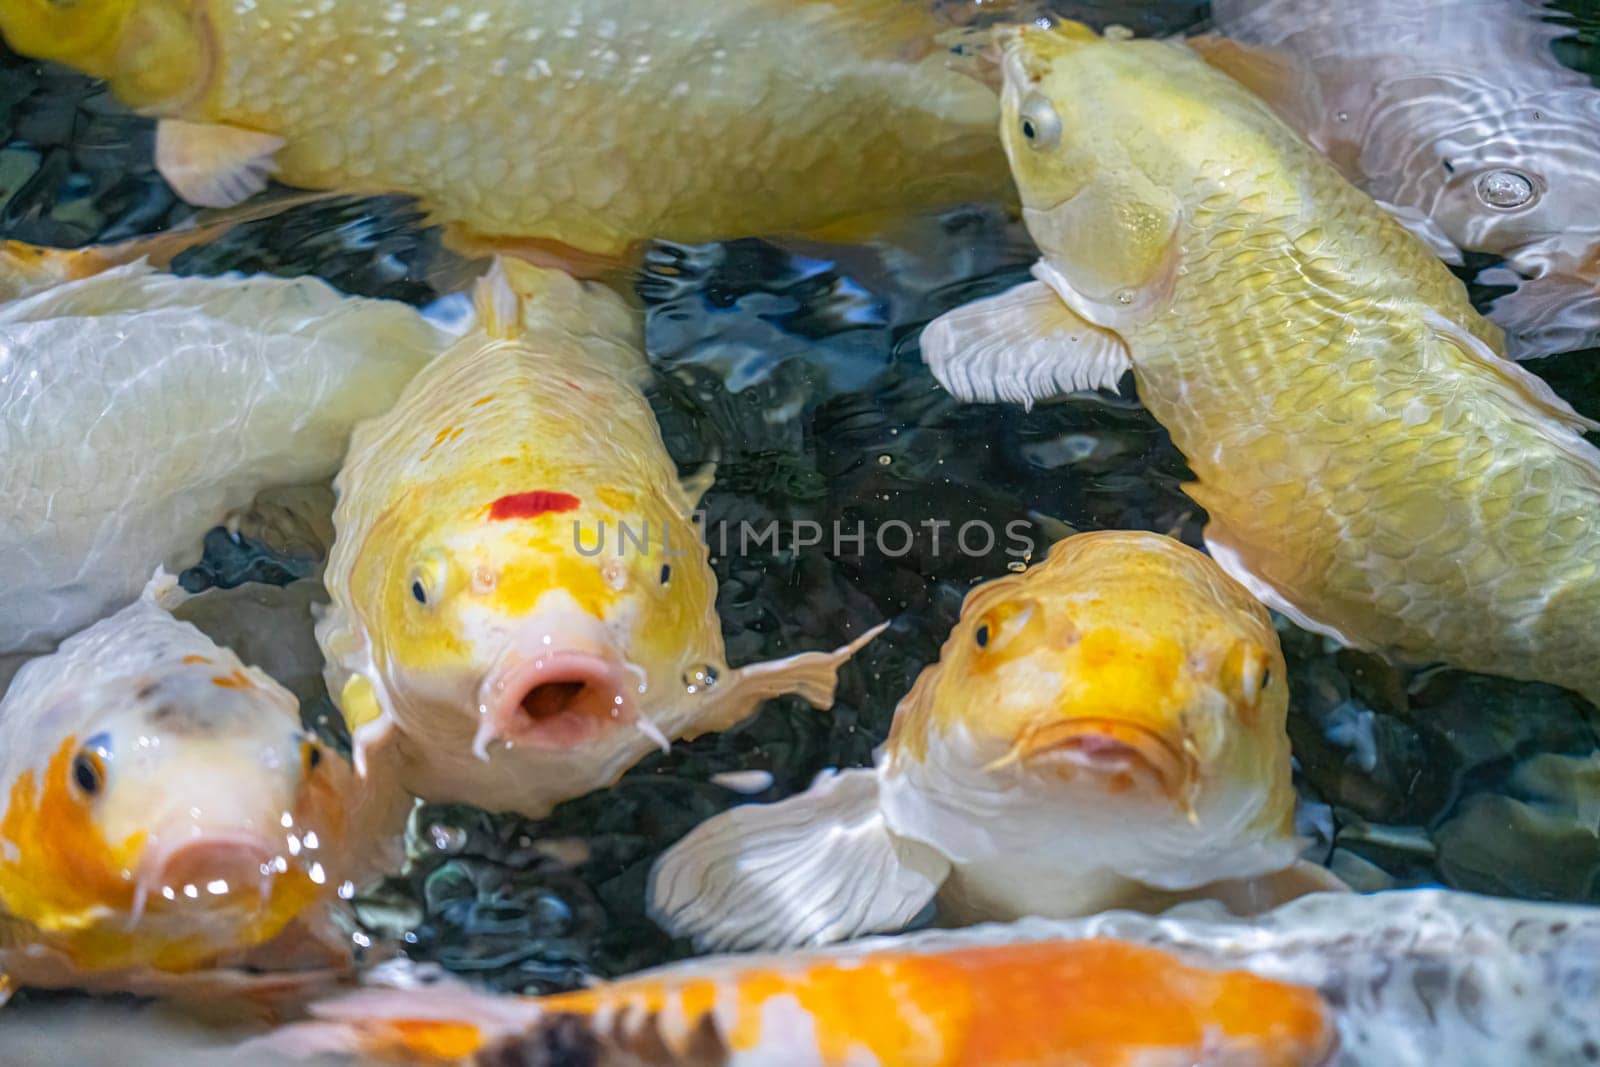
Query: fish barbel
565, 132
1371, 464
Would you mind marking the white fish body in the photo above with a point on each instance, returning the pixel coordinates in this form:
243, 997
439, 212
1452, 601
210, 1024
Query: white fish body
1457, 116
137, 409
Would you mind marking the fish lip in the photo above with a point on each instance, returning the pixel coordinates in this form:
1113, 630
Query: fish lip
215, 857
1109, 745
578, 694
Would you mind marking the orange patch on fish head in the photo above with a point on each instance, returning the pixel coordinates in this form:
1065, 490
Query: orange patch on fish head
57, 869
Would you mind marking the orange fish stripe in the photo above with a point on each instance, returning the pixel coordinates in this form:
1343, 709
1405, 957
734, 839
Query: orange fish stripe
1094, 1003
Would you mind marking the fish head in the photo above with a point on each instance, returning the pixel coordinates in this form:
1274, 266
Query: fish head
500, 618
1106, 694
152, 50
1113, 143
66, 31
184, 815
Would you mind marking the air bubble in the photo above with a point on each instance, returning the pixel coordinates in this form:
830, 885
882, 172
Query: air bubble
1125, 296
1505, 189
701, 677
447, 839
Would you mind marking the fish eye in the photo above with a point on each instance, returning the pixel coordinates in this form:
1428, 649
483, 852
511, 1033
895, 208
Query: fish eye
428, 579
666, 573
310, 756
1041, 126
89, 772
982, 636
1505, 189
1266, 678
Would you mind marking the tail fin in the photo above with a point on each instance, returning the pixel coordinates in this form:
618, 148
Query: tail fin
819, 867
26, 269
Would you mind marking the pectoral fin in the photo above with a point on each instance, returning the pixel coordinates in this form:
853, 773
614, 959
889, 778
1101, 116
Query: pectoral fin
1523, 387
695, 485
1021, 346
1545, 315
440, 1022
1252, 896
811, 676
817, 868
214, 166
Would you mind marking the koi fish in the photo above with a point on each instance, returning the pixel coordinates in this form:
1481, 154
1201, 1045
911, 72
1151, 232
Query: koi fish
1105, 729
481, 620
1458, 117
164, 818
1371, 464
138, 409
1090, 1002
565, 133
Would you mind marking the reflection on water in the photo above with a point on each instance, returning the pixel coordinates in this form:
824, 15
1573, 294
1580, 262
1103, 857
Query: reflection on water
795, 367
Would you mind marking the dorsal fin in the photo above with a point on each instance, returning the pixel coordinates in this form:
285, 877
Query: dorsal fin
516, 297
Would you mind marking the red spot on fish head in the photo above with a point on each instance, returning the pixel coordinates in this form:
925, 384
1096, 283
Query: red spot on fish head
531, 505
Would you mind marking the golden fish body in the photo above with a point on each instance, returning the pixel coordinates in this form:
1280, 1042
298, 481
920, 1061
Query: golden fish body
488, 606
1097, 1002
590, 126
1105, 729
1371, 465
162, 813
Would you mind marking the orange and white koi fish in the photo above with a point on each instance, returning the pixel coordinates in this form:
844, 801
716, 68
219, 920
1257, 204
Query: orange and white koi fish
1105, 729
1457, 115
138, 409
568, 132
1093, 1003
511, 664
163, 816
1371, 464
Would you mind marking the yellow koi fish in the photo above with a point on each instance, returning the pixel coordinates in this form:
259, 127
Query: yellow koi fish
1091, 1003
489, 614
1105, 729
163, 815
559, 131
1373, 467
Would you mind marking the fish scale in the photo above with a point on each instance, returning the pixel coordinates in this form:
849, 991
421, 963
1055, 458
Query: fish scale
593, 126
1473, 530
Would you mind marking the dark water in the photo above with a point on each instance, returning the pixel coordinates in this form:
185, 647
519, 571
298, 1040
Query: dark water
798, 369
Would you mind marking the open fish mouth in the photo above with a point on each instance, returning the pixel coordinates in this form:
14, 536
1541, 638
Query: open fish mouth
1109, 746
235, 872
556, 701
